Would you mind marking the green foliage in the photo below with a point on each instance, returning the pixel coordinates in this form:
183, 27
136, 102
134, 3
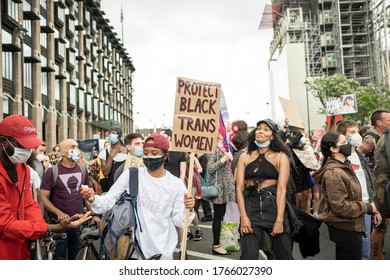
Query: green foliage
369, 98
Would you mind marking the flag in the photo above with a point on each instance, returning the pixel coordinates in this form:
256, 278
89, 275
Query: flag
223, 132
121, 14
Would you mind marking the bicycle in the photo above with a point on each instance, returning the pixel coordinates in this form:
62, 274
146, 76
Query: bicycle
89, 235
45, 248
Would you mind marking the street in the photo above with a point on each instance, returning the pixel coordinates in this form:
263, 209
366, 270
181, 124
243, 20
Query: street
201, 250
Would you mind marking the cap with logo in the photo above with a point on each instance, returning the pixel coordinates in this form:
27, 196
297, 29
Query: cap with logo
21, 129
159, 141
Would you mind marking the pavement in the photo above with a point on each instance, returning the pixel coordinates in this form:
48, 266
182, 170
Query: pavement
201, 250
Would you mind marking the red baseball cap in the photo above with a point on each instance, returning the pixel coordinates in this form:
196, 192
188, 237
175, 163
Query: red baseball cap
21, 129
160, 142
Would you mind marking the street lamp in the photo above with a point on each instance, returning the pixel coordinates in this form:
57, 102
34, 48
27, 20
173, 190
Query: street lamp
20, 32
306, 82
267, 109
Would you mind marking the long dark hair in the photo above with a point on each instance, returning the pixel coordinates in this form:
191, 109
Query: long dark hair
277, 145
329, 140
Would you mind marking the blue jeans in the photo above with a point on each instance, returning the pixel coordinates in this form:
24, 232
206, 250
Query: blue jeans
366, 240
70, 245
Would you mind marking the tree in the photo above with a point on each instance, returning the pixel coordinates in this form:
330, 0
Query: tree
369, 98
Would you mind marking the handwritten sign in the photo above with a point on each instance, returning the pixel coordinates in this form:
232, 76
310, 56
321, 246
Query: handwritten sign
307, 158
196, 116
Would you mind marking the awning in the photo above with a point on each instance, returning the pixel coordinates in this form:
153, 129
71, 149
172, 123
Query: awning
270, 14
108, 124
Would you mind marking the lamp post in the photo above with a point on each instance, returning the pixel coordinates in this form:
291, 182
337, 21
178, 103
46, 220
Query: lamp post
306, 82
20, 32
267, 109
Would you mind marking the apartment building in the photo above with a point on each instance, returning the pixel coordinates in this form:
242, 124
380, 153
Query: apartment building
64, 67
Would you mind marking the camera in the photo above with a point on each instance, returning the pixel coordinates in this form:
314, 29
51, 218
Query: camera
295, 141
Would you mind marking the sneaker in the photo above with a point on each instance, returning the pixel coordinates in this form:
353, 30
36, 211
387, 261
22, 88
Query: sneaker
206, 219
198, 235
189, 235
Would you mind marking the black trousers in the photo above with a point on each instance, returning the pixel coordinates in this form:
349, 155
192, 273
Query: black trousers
250, 245
348, 243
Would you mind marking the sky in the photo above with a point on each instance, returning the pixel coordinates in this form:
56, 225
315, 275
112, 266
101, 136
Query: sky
208, 40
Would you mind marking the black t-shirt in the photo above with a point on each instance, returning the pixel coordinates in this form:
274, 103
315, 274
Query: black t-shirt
172, 164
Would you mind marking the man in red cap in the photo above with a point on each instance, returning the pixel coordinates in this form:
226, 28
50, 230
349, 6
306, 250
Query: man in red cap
161, 203
21, 217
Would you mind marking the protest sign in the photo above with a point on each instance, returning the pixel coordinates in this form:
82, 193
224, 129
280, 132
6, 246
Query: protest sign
307, 158
195, 125
344, 104
196, 116
291, 113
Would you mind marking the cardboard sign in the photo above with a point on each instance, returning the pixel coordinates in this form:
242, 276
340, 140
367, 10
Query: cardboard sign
196, 116
342, 105
307, 158
291, 113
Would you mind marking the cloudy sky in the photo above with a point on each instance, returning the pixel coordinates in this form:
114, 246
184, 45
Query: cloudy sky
209, 40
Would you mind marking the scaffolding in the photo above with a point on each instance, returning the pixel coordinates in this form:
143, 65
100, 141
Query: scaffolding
291, 28
379, 13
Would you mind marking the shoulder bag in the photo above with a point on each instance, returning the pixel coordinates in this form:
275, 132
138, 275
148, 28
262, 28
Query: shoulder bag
212, 191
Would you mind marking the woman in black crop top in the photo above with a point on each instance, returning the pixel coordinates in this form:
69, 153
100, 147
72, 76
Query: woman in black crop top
262, 177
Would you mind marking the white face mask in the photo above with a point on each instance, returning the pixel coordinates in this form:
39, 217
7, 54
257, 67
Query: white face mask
74, 155
40, 157
19, 156
356, 140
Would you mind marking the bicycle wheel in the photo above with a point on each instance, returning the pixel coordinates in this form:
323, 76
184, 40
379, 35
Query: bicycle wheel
86, 253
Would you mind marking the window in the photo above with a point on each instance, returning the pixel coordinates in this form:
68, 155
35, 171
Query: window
101, 111
12, 9
81, 97
106, 111
328, 17
72, 94
27, 25
89, 103
7, 37
28, 75
44, 78
7, 65
57, 90
96, 106
329, 38
44, 40
5, 105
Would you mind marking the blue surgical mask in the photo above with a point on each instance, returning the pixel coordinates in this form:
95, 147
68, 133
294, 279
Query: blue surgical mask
113, 138
263, 145
139, 151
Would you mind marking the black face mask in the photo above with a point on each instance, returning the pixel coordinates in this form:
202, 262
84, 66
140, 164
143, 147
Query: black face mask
153, 163
346, 149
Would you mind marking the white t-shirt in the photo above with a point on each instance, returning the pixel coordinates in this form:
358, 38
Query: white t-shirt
160, 205
34, 178
359, 171
119, 157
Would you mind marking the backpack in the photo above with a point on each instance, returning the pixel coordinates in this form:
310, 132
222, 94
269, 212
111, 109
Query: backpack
118, 226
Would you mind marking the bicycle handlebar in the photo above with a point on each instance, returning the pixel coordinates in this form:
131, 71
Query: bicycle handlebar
59, 236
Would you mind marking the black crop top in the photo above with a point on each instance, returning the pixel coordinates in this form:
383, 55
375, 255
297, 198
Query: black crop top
261, 169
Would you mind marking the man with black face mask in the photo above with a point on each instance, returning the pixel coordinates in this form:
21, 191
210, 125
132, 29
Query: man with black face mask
21, 217
161, 203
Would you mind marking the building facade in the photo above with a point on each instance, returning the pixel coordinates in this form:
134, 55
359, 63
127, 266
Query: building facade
64, 67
